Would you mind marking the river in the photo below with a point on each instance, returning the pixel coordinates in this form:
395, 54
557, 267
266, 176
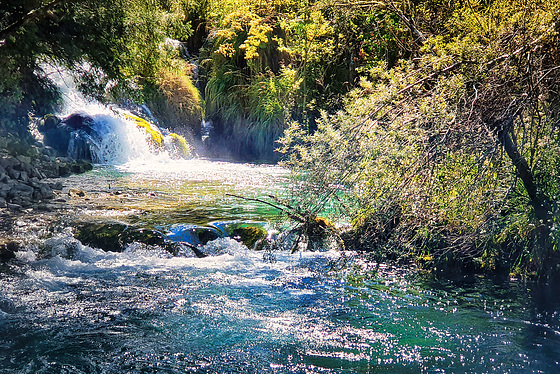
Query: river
70, 308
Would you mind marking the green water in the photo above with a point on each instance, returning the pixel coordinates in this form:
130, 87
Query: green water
69, 308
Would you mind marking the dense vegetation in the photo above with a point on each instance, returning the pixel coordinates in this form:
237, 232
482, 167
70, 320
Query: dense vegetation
431, 125
451, 155
115, 48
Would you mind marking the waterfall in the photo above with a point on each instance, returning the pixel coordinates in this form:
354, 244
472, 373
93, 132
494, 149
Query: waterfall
113, 136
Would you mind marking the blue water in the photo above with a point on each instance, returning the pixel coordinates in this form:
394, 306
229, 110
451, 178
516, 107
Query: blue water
69, 308
147, 312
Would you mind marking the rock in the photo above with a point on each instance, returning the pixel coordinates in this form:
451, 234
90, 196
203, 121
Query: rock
249, 233
15, 207
63, 170
7, 162
23, 159
44, 207
14, 174
49, 121
81, 166
24, 177
7, 305
25, 202
115, 236
76, 192
69, 136
57, 186
21, 190
192, 234
46, 192
105, 236
78, 121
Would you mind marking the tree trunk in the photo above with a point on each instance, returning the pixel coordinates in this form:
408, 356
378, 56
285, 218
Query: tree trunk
541, 203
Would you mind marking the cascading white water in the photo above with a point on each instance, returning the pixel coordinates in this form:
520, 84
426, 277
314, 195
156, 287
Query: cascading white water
115, 138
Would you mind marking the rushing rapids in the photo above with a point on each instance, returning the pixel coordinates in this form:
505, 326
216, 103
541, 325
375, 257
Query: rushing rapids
69, 304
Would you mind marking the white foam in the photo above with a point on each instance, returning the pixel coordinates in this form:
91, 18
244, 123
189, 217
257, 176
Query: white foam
116, 139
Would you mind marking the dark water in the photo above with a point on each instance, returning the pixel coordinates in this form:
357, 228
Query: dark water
69, 308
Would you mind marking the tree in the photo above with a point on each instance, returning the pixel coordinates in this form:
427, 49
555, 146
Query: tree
451, 155
99, 40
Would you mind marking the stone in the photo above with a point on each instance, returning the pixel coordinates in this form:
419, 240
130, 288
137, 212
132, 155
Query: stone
14, 174
7, 162
49, 121
7, 250
44, 207
22, 190
46, 192
115, 236
76, 192
26, 201
23, 159
63, 170
24, 177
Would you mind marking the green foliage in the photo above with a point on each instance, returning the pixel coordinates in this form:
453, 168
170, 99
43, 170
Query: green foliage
118, 44
420, 152
174, 100
326, 44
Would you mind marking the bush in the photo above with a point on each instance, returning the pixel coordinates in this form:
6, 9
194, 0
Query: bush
450, 155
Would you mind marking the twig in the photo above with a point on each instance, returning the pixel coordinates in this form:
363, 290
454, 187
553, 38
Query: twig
283, 209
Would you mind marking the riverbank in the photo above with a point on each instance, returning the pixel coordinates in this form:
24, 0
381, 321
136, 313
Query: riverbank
23, 177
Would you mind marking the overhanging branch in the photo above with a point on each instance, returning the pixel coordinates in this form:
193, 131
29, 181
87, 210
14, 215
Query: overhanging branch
30, 17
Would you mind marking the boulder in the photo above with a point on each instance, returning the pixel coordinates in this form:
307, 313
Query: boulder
116, 236
21, 190
68, 135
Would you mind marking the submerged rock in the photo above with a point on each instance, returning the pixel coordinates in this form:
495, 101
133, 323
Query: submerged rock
116, 236
193, 235
248, 233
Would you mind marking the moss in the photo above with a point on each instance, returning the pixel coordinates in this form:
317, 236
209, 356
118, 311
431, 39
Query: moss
249, 235
174, 99
156, 136
180, 145
115, 236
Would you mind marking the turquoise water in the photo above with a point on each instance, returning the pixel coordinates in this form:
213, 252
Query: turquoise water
69, 308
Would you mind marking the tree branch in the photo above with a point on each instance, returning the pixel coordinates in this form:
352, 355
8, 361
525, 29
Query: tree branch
282, 209
30, 17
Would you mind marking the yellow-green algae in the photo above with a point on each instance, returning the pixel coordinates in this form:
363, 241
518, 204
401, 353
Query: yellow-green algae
179, 143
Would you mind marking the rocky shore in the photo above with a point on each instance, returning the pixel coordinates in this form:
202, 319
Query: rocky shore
28, 183
26, 180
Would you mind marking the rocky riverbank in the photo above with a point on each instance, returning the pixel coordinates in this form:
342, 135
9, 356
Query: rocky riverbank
26, 180
28, 184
